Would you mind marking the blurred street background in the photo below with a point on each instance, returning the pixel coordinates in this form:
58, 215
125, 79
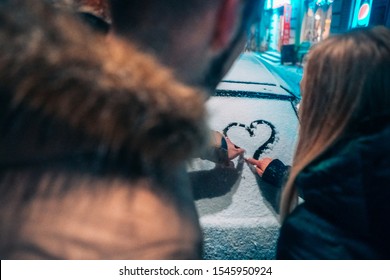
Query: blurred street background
285, 30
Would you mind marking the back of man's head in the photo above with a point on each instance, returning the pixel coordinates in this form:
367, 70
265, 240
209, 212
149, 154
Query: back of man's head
187, 35
154, 22
132, 15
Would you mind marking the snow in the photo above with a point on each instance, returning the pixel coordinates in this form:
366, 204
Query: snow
248, 68
256, 88
226, 110
237, 206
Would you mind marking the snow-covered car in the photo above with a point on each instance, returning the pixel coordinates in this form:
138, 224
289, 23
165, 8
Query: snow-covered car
257, 111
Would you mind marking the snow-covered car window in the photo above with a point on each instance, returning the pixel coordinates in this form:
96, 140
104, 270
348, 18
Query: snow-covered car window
257, 112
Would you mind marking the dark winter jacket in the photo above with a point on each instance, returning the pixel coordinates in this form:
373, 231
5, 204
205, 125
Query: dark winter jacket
346, 208
93, 136
276, 173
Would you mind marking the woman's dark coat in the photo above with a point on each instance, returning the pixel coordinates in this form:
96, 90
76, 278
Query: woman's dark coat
346, 208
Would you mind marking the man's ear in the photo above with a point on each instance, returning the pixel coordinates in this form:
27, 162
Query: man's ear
227, 23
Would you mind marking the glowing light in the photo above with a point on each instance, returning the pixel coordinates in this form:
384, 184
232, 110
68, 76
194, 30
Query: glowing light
277, 3
364, 11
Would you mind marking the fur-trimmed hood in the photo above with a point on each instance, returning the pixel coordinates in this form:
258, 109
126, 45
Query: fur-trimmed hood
64, 89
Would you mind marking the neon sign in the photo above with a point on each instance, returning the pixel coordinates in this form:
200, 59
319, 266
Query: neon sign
362, 13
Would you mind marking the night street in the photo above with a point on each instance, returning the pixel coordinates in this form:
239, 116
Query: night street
193, 139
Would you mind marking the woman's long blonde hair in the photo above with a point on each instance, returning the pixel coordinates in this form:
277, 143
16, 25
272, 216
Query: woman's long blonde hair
347, 78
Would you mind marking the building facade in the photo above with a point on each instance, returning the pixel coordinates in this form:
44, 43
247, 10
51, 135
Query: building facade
293, 22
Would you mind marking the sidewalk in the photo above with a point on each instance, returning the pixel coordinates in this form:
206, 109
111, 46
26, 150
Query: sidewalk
291, 74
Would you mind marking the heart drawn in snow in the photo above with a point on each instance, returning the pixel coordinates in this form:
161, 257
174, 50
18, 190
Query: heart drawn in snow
259, 141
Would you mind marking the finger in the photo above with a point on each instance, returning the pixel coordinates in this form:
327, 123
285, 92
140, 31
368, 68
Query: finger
252, 161
259, 171
263, 163
268, 160
231, 144
240, 151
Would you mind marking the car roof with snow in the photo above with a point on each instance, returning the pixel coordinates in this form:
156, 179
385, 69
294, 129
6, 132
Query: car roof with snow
256, 110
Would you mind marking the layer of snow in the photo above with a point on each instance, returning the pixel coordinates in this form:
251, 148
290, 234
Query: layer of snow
238, 207
248, 68
256, 88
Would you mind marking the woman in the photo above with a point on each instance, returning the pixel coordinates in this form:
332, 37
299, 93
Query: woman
341, 165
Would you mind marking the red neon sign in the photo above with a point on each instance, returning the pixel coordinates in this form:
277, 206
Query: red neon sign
364, 11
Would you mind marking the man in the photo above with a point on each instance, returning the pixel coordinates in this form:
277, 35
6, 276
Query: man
199, 40
93, 144
93, 136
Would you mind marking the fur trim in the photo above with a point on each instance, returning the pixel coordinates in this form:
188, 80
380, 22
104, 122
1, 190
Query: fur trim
107, 88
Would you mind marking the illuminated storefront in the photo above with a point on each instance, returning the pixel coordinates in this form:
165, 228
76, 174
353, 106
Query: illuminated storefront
317, 21
307, 22
279, 30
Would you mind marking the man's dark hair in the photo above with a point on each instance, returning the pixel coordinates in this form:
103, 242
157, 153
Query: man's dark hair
149, 20
155, 21
135, 14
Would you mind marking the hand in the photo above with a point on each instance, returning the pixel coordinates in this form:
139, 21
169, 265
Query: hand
260, 164
233, 150
227, 150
